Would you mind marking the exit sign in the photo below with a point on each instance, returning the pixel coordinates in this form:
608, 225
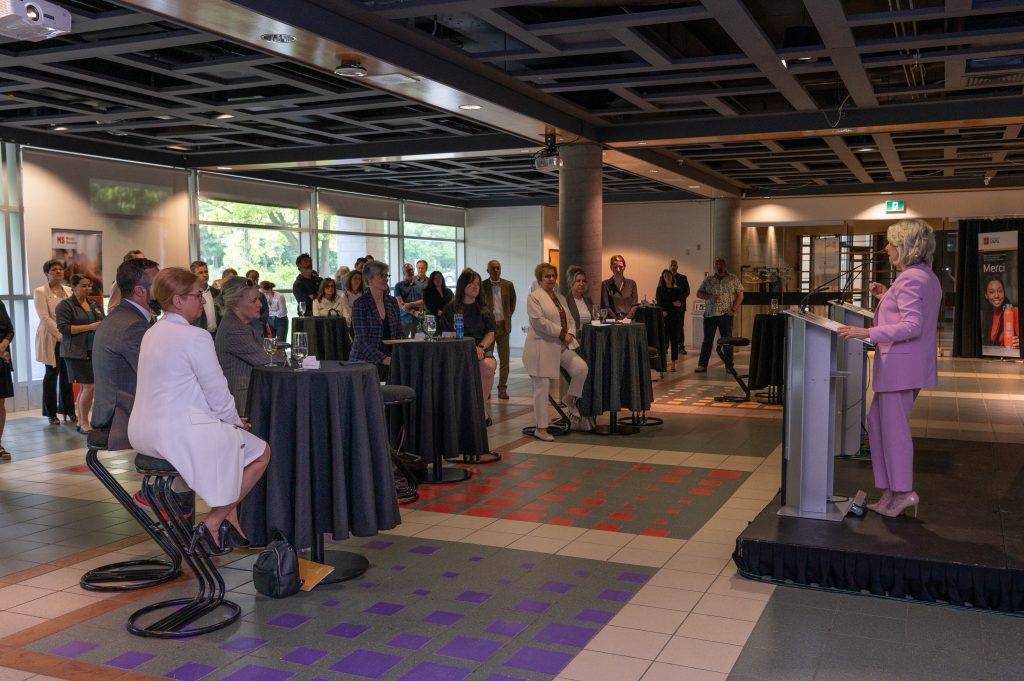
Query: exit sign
895, 207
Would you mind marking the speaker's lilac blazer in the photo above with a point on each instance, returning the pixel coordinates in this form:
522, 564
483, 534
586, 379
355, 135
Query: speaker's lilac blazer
904, 332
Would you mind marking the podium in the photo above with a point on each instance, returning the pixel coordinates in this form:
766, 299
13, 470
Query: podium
809, 418
852, 364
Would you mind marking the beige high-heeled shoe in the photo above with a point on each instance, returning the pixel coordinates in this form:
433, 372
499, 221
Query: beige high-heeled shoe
901, 502
882, 503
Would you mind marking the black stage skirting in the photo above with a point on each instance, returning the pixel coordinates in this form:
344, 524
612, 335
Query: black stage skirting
966, 547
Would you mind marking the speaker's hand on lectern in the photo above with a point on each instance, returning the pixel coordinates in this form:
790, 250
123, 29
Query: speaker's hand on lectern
853, 332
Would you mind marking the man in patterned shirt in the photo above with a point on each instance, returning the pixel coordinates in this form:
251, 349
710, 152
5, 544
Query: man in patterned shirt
723, 294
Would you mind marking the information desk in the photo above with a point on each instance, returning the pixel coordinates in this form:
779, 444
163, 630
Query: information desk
619, 373
330, 462
447, 420
329, 337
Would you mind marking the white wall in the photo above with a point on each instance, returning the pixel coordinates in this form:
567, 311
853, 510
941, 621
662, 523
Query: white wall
515, 237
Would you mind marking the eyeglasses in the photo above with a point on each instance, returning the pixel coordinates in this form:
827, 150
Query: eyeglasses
198, 295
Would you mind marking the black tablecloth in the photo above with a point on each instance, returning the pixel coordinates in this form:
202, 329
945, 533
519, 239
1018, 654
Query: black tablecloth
651, 317
330, 465
329, 337
767, 351
449, 413
620, 369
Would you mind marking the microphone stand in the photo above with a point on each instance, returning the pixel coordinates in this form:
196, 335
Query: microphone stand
850, 272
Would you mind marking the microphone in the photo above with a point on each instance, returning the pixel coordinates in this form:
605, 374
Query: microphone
850, 272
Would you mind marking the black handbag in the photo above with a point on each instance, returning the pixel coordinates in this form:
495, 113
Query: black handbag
276, 571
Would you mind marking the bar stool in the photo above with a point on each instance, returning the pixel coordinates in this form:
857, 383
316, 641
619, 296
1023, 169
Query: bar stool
129, 575
733, 342
406, 482
158, 475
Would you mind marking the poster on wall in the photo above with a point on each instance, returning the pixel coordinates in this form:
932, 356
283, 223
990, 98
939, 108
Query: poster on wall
1000, 317
81, 251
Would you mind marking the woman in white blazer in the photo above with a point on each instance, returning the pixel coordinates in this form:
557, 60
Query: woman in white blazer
184, 413
56, 380
550, 344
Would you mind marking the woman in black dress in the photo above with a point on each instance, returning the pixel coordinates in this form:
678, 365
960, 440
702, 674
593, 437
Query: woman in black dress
670, 300
478, 324
6, 380
77, 319
436, 294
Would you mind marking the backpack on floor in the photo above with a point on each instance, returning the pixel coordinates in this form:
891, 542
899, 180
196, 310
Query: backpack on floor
276, 571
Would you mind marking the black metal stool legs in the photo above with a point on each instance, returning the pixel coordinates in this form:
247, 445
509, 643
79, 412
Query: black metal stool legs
156, 489
733, 342
130, 575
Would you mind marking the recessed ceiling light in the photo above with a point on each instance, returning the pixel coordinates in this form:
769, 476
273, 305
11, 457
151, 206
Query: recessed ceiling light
224, 116
165, 117
280, 38
179, 147
642, 144
224, 168
470, 107
866, 149
60, 128
693, 186
350, 69
652, 170
885, 193
844, 131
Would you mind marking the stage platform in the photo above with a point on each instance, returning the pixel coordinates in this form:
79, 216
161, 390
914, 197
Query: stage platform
965, 548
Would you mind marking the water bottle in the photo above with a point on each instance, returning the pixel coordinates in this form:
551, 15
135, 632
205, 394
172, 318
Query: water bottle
1009, 325
459, 326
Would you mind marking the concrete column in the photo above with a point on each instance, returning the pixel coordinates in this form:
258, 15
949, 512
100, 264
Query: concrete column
581, 214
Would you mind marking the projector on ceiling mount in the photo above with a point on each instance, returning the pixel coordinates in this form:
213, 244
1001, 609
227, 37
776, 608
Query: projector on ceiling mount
33, 20
548, 164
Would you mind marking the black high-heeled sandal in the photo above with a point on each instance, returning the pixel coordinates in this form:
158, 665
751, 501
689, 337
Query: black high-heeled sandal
202, 535
54, 421
231, 537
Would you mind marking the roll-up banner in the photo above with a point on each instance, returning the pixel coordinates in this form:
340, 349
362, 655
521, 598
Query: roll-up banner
1000, 318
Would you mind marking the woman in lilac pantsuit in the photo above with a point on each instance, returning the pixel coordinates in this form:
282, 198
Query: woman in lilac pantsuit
904, 336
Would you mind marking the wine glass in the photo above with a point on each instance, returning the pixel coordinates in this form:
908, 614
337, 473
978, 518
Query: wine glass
300, 347
270, 347
302, 308
430, 326
602, 314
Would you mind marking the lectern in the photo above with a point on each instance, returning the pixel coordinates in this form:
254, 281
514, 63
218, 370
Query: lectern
852, 364
809, 418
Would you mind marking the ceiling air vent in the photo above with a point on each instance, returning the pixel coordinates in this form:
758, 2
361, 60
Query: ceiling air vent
993, 79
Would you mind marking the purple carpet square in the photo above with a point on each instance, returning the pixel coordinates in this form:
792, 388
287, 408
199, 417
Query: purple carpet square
254, 672
397, 568
430, 671
366, 663
540, 661
74, 648
191, 671
505, 582
471, 649
582, 573
615, 595
288, 621
557, 587
473, 597
386, 609
476, 558
244, 644
409, 641
635, 577
305, 656
423, 549
596, 616
450, 575
528, 566
377, 544
129, 660
506, 628
442, 617
347, 630
331, 604
366, 585
421, 592
565, 635
535, 607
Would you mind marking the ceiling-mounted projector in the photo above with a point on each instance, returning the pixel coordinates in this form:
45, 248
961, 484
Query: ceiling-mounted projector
548, 164
33, 20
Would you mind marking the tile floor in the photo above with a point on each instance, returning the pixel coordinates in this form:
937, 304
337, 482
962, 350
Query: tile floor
458, 594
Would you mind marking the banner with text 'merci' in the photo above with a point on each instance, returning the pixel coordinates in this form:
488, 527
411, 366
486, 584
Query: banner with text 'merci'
1000, 318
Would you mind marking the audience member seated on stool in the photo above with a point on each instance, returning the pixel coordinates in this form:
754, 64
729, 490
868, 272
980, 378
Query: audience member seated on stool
238, 343
478, 324
375, 319
184, 413
329, 302
551, 343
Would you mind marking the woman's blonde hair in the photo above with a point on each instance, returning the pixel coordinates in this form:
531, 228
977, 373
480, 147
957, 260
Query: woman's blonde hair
570, 277
232, 292
170, 282
914, 242
539, 270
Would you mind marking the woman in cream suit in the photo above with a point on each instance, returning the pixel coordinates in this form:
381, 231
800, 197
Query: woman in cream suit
904, 336
550, 344
184, 413
56, 380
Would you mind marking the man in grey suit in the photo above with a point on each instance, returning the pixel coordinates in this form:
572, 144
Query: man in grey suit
502, 297
115, 350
